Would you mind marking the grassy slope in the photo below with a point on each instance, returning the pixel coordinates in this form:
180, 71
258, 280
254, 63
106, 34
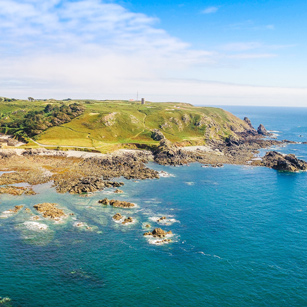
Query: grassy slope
133, 123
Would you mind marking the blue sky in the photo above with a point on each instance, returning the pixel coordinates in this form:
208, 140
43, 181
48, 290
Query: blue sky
203, 52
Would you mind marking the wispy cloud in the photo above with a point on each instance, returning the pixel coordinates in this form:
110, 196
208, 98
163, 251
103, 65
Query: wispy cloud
245, 56
210, 10
97, 49
250, 25
241, 46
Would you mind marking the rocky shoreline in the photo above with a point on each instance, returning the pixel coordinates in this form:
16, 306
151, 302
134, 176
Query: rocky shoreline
91, 173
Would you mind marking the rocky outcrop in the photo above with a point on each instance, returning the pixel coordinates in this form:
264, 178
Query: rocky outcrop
87, 185
16, 209
158, 232
166, 125
16, 191
50, 210
247, 120
169, 154
117, 191
130, 165
109, 119
186, 119
117, 217
43, 151
116, 203
157, 135
261, 130
127, 220
280, 162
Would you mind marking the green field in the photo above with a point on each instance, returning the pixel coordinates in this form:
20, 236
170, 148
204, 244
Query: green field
108, 125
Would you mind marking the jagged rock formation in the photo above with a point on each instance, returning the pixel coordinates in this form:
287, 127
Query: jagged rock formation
16, 209
16, 191
261, 130
127, 220
157, 135
280, 162
116, 203
50, 210
117, 217
169, 154
247, 120
88, 184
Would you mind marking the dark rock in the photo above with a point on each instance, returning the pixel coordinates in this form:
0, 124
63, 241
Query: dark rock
280, 162
289, 142
247, 120
157, 135
89, 184
261, 130
232, 141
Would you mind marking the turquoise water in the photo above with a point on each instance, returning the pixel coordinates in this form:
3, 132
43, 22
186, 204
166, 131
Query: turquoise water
240, 238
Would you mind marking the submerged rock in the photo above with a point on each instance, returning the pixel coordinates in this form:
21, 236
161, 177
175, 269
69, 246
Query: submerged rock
117, 191
116, 203
158, 232
280, 162
16, 209
50, 210
16, 191
128, 220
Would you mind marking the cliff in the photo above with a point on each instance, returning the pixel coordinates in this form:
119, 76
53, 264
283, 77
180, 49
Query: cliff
109, 125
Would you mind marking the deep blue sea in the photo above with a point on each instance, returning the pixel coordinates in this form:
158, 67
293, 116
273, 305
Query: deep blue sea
240, 237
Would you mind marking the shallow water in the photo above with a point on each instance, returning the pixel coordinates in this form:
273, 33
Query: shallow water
240, 239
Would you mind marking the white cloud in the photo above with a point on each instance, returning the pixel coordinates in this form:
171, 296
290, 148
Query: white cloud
95, 49
245, 56
241, 46
210, 10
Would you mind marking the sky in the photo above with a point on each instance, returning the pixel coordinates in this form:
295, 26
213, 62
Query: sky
202, 52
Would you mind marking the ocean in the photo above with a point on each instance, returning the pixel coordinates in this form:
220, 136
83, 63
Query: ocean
239, 237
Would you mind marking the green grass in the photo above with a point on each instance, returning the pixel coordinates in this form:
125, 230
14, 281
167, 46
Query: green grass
132, 123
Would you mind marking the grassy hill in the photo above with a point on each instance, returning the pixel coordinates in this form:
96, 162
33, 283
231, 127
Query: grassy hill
108, 125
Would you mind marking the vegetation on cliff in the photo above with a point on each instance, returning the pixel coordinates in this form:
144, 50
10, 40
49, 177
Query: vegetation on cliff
108, 125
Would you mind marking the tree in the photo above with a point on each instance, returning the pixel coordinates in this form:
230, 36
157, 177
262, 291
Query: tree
30, 98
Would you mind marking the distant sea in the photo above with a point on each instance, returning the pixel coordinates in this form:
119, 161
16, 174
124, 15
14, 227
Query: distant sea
240, 237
